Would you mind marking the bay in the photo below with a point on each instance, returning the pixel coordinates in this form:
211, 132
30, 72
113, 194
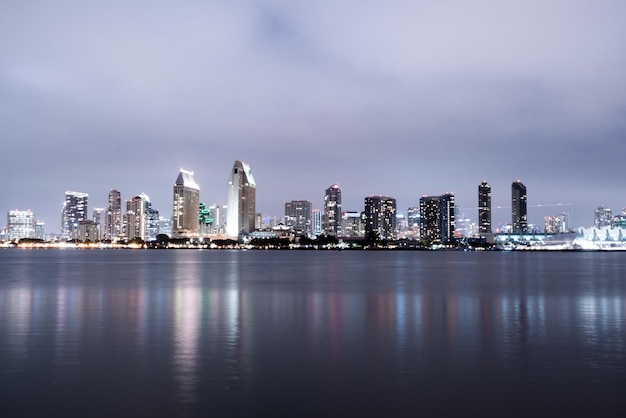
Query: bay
311, 333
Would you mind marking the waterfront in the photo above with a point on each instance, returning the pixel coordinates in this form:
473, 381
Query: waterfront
311, 333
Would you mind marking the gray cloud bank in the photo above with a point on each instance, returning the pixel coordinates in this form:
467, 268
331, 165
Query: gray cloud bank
402, 98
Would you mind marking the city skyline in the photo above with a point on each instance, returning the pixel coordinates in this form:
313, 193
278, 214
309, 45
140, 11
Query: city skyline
402, 99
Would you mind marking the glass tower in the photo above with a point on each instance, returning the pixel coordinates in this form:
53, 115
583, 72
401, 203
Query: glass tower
331, 218
484, 208
519, 213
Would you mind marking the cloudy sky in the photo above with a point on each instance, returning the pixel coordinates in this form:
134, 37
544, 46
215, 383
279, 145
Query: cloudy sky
399, 98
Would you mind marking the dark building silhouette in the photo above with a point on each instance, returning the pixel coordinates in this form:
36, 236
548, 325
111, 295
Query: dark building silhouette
519, 210
484, 208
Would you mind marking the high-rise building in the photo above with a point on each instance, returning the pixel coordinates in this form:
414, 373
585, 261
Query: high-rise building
152, 220
40, 230
241, 215
74, 211
98, 216
484, 208
380, 216
165, 226
352, 224
298, 214
186, 203
602, 217
113, 217
317, 222
437, 218
519, 212
20, 224
556, 224
413, 218
331, 218
218, 214
135, 217
88, 231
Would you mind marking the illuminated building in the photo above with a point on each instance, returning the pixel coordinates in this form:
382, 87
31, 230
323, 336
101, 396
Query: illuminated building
186, 201
40, 230
413, 218
20, 224
602, 217
317, 222
298, 214
437, 218
165, 226
74, 211
331, 218
152, 220
241, 213
380, 216
484, 208
88, 231
351, 225
218, 214
113, 217
98, 216
556, 224
519, 211
135, 217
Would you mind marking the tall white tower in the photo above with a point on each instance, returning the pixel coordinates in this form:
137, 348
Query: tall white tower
241, 197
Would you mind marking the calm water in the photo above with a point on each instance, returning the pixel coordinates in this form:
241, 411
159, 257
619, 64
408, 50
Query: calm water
317, 333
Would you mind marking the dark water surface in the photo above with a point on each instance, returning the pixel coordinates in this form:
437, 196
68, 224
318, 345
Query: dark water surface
315, 333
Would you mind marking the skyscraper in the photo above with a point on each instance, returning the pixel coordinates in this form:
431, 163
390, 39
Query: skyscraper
331, 218
74, 211
484, 208
241, 212
380, 216
298, 214
135, 218
113, 217
186, 201
519, 212
437, 218
20, 224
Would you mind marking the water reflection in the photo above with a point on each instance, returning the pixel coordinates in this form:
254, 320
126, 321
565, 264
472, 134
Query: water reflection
223, 331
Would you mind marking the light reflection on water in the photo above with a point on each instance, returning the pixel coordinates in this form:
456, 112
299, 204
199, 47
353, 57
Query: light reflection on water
310, 333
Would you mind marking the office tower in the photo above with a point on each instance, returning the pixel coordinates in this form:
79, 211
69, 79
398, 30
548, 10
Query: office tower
519, 221
98, 216
88, 231
218, 214
113, 217
556, 224
437, 218
484, 208
20, 224
165, 226
352, 224
186, 202
40, 230
135, 218
413, 218
241, 215
380, 217
152, 220
74, 211
298, 214
317, 222
602, 217
331, 218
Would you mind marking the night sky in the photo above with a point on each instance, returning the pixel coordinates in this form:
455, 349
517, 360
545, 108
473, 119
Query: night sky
399, 98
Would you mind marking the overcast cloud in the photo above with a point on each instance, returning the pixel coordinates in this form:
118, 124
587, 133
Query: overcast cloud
401, 98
